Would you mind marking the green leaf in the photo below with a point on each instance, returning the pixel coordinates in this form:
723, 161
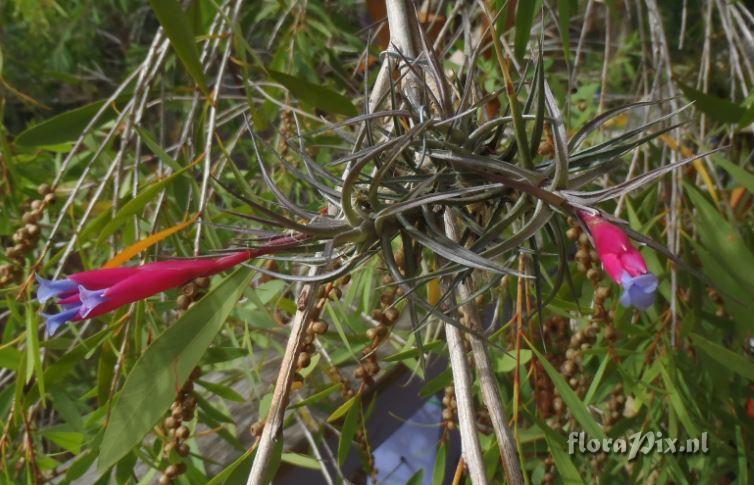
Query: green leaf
741, 176
506, 362
413, 352
342, 409
317, 396
303, 461
347, 432
316, 95
178, 29
152, 384
524, 20
743, 468
438, 473
222, 391
10, 357
64, 127
719, 109
566, 8
577, 407
417, 478
135, 205
68, 440
566, 469
728, 359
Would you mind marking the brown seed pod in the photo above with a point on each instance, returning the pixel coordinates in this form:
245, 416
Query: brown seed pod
303, 360
187, 415
298, 382
30, 217
182, 449
171, 471
176, 412
572, 233
189, 290
256, 428
168, 447
319, 327
172, 423
202, 282
49, 199
44, 189
182, 433
335, 293
182, 302
36, 205
165, 480
391, 315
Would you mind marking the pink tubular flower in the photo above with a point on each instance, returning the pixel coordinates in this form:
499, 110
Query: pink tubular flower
92, 293
622, 261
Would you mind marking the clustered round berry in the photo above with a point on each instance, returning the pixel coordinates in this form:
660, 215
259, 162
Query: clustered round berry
176, 431
25, 238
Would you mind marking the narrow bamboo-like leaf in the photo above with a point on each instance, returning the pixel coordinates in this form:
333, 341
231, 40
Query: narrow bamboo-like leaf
727, 358
222, 391
438, 474
64, 127
741, 449
178, 29
163, 368
566, 469
303, 461
566, 8
577, 407
740, 175
347, 432
524, 20
417, 478
135, 205
414, 352
68, 440
719, 109
342, 409
316, 94
235, 472
316, 397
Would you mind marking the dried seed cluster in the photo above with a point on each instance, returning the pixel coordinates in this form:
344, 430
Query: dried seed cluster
25, 237
449, 412
190, 293
181, 411
385, 316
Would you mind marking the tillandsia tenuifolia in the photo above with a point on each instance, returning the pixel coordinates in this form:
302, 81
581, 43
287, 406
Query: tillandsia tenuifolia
404, 170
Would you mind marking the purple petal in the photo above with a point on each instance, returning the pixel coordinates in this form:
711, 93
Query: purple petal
638, 291
54, 321
90, 299
52, 288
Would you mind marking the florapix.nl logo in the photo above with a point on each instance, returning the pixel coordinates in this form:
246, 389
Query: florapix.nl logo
640, 443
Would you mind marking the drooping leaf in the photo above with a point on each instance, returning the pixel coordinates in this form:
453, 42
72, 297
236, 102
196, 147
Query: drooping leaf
571, 399
178, 29
719, 109
163, 368
64, 127
348, 431
524, 20
316, 95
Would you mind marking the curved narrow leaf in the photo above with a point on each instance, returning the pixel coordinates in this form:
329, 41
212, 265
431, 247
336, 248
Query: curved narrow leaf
135, 205
719, 109
163, 368
178, 29
64, 127
571, 399
316, 95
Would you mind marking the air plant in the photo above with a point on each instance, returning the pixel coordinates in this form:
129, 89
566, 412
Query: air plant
437, 189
